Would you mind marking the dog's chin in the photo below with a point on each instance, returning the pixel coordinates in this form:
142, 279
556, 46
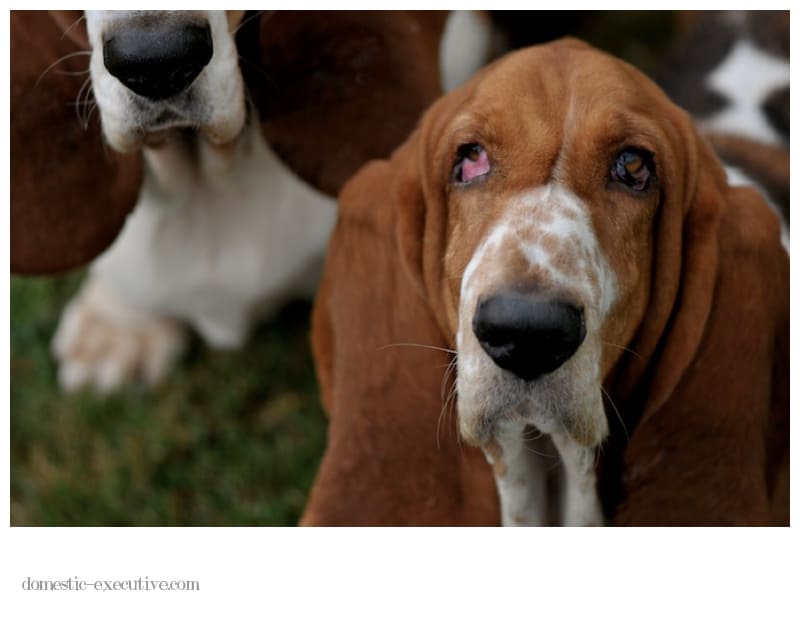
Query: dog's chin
493, 402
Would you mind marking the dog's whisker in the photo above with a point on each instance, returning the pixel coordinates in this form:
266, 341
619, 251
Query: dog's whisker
59, 72
536, 437
445, 401
553, 466
543, 454
451, 408
532, 436
614, 407
82, 108
247, 20
450, 367
92, 109
88, 100
434, 347
89, 117
79, 99
623, 348
72, 25
260, 70
59, 61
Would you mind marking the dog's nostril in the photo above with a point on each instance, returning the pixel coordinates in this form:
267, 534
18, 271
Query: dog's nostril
158, 61
526, 336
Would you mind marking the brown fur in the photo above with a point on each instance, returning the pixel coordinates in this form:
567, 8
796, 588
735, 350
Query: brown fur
703, 306
69, 196
764, 163
382, 442
333, 89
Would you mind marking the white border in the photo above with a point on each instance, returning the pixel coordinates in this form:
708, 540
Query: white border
643, 572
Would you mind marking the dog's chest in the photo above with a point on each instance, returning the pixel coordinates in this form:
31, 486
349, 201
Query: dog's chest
217, 230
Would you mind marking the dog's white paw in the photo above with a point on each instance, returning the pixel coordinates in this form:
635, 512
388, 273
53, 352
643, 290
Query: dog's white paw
104, 343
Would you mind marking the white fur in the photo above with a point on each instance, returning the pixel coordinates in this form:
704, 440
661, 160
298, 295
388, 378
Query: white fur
233, 239
522, 481
217, 246
494, 406
465, 48
745, 78
221, 235
521, 474
580, 501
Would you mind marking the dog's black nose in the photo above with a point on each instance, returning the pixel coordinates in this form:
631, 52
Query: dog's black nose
526, 336
158, 61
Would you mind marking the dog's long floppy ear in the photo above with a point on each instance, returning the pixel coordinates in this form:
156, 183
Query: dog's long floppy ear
337, 88
712, 443
393, 454
69, 193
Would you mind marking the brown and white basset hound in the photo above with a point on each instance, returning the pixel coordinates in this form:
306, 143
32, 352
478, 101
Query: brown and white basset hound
230, 207
556, 255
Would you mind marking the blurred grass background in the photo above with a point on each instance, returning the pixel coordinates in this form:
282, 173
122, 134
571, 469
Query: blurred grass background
230, 437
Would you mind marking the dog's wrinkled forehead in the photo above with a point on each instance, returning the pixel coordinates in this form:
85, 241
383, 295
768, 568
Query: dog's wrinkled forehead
539, 92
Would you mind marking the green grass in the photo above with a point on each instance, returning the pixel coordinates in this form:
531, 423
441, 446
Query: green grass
229, 438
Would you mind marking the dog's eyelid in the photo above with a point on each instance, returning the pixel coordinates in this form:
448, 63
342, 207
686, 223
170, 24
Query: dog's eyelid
472, 162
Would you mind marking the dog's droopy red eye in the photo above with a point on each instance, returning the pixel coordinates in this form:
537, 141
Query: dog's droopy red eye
471, 162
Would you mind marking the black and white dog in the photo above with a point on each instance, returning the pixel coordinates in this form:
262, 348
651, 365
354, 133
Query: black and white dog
731, 71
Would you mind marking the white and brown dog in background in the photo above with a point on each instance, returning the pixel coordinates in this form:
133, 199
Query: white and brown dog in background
730, 70
224, 231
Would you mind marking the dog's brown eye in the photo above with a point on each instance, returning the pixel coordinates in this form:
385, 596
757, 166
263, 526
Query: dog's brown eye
473, 152
471, 162
633, 168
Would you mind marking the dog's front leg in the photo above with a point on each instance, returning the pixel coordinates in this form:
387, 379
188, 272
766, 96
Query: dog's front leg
581, 504
521, 477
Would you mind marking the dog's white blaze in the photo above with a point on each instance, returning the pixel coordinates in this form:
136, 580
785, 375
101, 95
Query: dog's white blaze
522, 227
745, 78
571, 224
492, 242
533, 224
